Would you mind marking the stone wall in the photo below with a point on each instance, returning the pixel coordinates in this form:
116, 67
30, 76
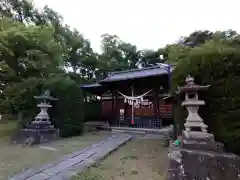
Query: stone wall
188, 164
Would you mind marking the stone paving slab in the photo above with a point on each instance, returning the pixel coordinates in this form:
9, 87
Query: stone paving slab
101, 153
30, 172
41, 176
71, 164
57, 178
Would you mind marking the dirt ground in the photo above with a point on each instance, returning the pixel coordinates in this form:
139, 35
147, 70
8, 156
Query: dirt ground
137, 160
14, 158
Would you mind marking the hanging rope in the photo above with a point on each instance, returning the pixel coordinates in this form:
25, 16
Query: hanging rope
132, 100
134, 97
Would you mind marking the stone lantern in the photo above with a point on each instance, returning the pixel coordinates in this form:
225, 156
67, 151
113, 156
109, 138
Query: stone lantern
199, 156
40, 129
192, 103
195, 134
42, 118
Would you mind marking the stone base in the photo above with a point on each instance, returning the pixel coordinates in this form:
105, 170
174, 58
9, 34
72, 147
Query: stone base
30, 137
196, 140
40, 125
203, 145
186, 164
198, 136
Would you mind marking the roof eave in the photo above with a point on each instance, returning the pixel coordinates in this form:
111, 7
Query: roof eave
132, 78
94, 85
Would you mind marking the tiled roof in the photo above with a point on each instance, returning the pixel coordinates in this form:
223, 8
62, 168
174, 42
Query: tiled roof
90, 85
135, 73
94, 88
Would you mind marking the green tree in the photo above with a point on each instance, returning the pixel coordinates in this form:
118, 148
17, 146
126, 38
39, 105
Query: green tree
150, 57
25, 12
68, 110
118, 55
216, 62
196, 38
77, 50
18, 10
26, 52
34, 48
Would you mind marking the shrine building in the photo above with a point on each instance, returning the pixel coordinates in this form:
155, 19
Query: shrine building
134, 98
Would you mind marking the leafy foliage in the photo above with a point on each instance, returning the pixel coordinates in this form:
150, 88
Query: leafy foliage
216, 62
92, 111
28, 55
196, 38
36, 48
118, 55
67, 112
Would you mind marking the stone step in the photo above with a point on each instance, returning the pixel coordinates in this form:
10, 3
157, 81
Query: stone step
141, 130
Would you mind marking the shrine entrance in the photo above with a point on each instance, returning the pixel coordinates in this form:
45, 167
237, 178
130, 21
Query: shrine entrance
134, 98
138, 111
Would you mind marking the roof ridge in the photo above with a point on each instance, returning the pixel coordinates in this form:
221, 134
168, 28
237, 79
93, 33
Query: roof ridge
134, 70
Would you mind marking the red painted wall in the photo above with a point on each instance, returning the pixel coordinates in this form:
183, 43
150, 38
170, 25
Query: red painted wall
165, 110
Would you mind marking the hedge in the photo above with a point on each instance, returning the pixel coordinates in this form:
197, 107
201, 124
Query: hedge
68, 110
218, 65
92, 111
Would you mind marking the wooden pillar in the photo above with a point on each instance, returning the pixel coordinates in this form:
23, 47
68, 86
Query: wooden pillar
115, 109
114, 103
157, 107
101, 109
161, 120
112, 114
84, 104
125, 110
132, 120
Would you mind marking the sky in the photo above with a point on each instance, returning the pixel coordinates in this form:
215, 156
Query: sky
149, 24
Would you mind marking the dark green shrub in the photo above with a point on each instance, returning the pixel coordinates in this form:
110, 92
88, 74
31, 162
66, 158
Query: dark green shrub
20, 98
216, 64
68, 110
92, 111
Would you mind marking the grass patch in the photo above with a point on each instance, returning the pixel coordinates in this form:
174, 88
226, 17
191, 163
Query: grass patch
100, 166
14, 158
86, 176
129, 156
7, 128
134, 172
138, 159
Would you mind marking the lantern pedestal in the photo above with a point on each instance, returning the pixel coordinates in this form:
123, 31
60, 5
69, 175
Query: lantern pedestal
40, 130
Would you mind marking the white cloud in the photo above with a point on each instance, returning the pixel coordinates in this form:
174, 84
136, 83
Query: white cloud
149, 24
